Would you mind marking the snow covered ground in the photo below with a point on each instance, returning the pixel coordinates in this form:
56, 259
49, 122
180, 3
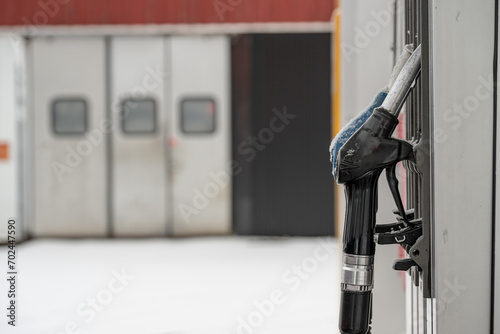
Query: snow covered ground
223, 285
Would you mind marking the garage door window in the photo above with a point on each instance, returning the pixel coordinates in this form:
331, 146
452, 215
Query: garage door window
139, 116
198, 116
69, 116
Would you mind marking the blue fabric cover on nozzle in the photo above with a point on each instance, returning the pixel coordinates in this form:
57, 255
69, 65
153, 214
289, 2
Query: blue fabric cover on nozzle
353, 126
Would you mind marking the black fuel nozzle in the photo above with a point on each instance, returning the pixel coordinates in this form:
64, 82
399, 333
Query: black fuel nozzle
359, 163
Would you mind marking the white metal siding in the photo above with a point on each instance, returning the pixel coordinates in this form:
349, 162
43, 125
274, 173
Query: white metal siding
72, 203
200, 68
138, 160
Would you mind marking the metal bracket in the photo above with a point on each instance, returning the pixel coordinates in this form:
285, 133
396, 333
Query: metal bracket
407, 233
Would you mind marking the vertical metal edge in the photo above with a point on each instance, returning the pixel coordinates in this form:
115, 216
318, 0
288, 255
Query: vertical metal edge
108, 114
494, 231
242, 62
395, 33
29, 137
229, 126
167, 114
426, 163
429, 315
251, 119
25, 175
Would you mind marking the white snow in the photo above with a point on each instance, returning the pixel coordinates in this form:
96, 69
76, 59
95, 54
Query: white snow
181, 286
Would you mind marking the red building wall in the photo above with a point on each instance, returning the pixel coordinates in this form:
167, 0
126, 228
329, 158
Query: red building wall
68, 12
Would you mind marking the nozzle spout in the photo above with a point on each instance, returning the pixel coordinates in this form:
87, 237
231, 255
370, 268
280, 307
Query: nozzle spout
401, 87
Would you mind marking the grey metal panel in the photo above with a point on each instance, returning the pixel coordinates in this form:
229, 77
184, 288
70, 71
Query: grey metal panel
462, 37
139, 187
200, 165
69, 171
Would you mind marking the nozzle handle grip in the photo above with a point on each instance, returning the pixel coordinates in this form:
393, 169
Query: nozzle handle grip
361, 210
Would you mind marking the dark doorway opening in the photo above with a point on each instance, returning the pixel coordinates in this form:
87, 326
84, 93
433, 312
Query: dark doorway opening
281, 134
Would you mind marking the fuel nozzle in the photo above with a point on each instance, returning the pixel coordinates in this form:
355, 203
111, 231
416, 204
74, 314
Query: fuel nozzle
376, 102
359, 162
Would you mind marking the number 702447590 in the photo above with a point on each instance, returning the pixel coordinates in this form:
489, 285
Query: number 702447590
11, 244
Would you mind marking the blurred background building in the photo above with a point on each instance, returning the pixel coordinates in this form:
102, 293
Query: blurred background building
167, 118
